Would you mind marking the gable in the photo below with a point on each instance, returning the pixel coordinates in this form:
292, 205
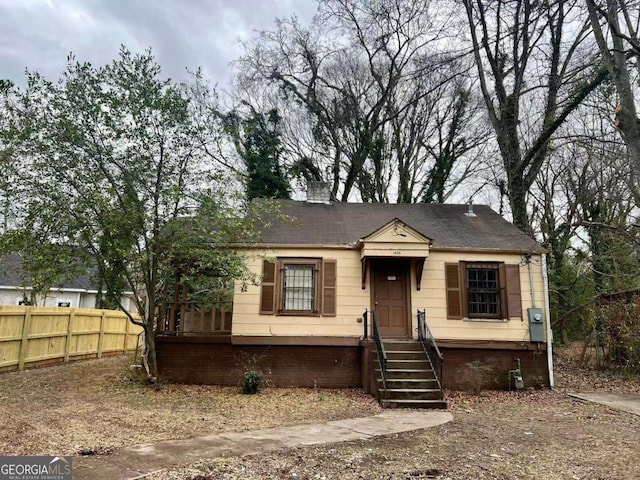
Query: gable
395, 239
396, 231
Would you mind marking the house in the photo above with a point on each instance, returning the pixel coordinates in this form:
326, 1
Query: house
77, 292
353, 292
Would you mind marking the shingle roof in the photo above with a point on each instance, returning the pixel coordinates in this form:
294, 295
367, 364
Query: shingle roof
11, 275
341, 223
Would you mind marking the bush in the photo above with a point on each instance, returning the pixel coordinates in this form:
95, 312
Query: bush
252, 381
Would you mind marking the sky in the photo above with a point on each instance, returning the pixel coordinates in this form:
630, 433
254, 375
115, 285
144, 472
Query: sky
39, 34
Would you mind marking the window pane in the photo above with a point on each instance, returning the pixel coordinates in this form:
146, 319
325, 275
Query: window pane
298, 287
483, 291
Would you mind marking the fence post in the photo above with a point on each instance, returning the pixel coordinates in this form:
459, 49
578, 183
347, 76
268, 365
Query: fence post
26, 330
67, 345
126, 334
101, 337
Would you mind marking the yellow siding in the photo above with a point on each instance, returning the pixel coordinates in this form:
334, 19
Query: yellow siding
352, 300
433, 298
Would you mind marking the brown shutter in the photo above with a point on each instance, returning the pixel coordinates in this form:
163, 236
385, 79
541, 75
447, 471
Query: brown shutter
514, 302
454, 297
268, 291
329, 278
502, 282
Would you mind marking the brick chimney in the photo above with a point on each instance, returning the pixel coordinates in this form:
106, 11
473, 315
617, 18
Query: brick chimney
318, 192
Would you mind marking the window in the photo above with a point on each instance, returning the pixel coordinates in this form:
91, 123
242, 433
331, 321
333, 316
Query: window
298, 290
483, 290
298, 286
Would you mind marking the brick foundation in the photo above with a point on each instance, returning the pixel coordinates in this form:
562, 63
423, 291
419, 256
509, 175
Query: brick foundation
201, 362
215, 361
490, 367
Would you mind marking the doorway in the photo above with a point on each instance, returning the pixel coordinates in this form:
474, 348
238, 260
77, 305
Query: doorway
390, 296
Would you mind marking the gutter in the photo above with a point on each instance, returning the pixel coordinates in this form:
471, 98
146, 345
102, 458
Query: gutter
356, 246
548, 317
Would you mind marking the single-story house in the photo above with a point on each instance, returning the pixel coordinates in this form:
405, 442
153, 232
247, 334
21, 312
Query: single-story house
78, 292
371, 295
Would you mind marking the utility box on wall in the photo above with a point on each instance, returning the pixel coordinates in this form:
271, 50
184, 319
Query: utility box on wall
536, 325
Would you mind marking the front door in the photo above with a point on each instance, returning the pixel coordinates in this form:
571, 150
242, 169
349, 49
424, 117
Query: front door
390, 297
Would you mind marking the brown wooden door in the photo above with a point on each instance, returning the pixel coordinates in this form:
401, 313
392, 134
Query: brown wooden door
390, 297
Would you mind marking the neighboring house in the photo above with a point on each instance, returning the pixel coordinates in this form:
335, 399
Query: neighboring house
479, 282
76, 293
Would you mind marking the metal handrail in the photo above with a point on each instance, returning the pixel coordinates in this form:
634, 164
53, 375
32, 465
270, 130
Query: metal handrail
429, 344
382, 355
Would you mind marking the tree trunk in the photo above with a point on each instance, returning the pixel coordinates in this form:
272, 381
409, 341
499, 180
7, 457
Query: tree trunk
149, 353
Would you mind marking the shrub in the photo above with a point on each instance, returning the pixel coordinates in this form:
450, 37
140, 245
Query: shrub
252, 381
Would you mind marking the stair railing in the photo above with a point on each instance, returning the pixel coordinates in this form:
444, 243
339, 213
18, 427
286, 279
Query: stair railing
430, 345
382, 355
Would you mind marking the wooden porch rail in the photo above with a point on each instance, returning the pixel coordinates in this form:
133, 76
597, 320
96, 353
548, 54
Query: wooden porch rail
186, 318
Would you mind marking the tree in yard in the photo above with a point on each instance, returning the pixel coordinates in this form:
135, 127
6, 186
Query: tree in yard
530, 57
586, 218
363, 80
257, 141
115, 158
615, 28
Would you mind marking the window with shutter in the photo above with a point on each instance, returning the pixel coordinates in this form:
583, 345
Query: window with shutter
299, 286
483, 290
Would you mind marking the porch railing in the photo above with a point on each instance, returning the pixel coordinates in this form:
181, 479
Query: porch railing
430, 345
186, 318
382, 355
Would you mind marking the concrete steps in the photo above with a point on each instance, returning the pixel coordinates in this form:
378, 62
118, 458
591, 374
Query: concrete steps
410, 379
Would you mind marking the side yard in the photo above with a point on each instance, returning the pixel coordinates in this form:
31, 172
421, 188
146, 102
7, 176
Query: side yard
95, 406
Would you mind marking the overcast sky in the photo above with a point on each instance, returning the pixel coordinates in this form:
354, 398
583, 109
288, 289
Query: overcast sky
39, 34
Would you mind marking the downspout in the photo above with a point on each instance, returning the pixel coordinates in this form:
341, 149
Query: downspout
531, 290
548, 317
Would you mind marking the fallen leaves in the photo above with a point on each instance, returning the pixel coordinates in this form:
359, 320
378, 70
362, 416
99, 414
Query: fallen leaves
94, 407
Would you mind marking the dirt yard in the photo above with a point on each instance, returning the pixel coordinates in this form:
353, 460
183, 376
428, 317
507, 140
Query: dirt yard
96, 406
496, 435
92, 407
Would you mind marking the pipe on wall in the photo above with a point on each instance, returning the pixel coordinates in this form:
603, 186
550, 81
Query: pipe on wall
548, 317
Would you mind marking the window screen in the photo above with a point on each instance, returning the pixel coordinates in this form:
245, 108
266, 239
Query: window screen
299, 287
483, 291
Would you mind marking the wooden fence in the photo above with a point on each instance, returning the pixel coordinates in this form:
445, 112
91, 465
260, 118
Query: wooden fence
32, 336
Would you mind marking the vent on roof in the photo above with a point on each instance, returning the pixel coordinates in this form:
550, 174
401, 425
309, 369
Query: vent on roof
318, 192
470, 212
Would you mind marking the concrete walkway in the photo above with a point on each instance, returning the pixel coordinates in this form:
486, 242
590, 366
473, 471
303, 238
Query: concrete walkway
622, 401
136, 462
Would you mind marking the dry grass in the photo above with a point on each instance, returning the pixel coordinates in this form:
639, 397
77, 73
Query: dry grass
97, 406
495, 435
498, 435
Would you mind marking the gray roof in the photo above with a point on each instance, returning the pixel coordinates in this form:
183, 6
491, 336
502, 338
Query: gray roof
11, 275
340, 223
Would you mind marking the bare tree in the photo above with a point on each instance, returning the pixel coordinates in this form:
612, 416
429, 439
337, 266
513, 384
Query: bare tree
616, 32
536, 64
367, 75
